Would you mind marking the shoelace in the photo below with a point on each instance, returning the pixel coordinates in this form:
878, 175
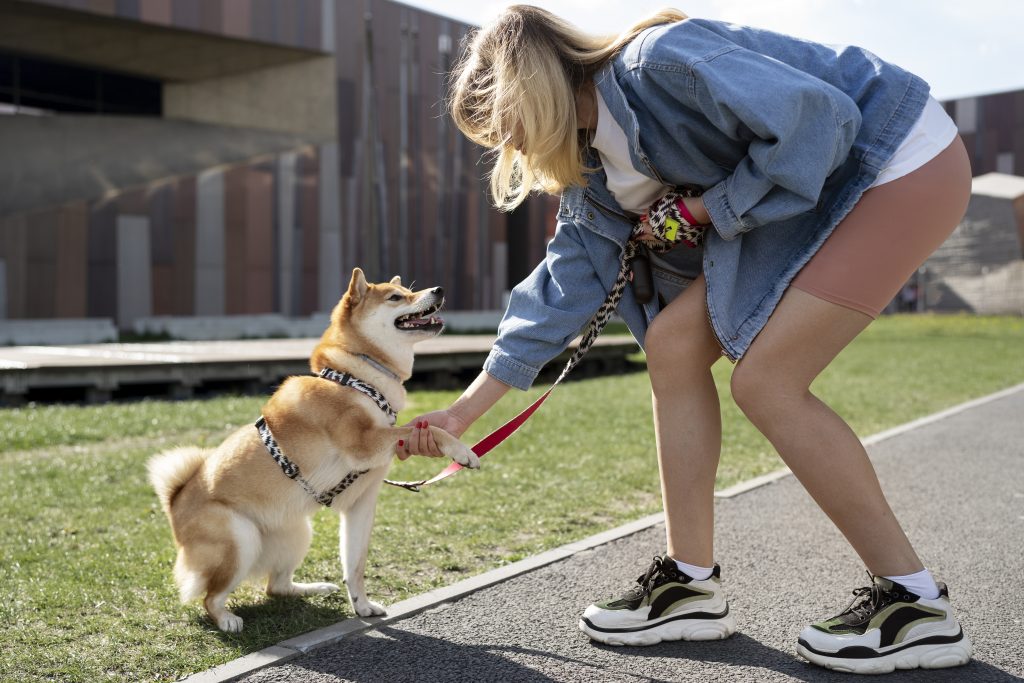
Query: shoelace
867, 599
648, 581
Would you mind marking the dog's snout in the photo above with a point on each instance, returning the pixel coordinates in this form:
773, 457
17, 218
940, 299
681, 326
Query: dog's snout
439, 291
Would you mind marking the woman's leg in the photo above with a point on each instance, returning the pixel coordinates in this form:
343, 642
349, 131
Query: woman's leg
772, 387
680, 352
669, 604
863, 264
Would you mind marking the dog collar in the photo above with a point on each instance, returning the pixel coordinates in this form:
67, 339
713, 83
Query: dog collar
380, 366
291, 470
347, 380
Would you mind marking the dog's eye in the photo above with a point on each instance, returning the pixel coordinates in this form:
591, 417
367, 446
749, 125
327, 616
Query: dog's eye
395, 297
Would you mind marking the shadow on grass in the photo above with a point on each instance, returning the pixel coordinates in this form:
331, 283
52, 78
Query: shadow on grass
274, 618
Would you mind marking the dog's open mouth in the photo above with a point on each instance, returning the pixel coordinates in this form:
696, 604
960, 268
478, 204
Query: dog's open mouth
424, 320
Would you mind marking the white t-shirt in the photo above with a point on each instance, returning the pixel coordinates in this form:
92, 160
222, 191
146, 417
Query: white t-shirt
634, 191
931, 134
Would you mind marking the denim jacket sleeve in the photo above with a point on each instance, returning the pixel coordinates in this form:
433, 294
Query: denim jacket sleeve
799, 129
547, 310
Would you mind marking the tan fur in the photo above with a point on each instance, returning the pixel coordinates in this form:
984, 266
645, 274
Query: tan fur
233, 512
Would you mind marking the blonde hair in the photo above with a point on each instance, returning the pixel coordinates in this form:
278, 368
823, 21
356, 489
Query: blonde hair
518, 79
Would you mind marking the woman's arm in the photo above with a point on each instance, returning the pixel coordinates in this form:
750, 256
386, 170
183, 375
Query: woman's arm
476, 400
798, 128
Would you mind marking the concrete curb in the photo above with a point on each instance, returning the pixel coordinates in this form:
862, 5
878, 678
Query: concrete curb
294, 647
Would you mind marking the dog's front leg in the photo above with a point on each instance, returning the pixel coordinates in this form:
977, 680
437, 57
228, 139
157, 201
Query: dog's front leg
354, 544
387, 439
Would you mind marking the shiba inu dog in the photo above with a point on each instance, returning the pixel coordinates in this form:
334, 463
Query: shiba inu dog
243, 509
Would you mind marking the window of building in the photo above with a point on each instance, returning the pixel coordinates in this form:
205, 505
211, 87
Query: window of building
34, 85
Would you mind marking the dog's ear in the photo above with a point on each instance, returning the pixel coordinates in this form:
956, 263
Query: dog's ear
356, 287
396, 280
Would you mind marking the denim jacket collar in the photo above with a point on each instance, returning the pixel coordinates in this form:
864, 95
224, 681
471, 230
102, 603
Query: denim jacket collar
615, 100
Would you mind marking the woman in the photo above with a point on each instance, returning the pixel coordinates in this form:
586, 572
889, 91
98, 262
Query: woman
825, 178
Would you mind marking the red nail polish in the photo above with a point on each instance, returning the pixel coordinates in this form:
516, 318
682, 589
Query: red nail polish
401, 443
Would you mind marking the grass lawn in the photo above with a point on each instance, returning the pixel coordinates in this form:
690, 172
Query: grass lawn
85, 576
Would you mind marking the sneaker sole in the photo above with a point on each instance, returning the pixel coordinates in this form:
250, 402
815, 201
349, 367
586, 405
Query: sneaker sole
935, 655
679, 629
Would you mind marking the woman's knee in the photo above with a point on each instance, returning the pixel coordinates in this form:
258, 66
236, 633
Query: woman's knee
760, 391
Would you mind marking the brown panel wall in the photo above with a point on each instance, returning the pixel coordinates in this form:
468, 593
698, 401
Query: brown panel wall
234, 239
160, 210
72, 261
183, 218
307, 212
155, 11
102, 262
258, 250
286, 22
41, 258
236, 17
14, 249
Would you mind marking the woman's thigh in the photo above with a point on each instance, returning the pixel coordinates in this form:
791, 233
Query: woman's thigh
679, 340
862, 265
889, 234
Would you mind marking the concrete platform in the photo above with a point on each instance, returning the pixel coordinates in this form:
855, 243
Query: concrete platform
177, 369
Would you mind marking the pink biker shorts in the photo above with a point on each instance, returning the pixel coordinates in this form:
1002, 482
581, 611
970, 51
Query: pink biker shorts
889, 233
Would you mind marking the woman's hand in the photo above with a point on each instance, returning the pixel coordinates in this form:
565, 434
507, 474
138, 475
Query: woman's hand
674, 219
421, 441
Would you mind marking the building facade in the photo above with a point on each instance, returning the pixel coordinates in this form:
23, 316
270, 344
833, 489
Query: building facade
232, 157
222, 157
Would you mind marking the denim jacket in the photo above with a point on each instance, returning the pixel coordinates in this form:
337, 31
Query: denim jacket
781, 135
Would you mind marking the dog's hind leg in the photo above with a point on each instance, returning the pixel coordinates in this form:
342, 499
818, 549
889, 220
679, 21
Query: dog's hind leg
354, 544
284, 550
224, 556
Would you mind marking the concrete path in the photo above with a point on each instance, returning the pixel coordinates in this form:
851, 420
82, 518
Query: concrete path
956, 484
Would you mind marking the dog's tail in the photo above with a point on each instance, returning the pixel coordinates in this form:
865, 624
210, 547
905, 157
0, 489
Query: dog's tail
171, 470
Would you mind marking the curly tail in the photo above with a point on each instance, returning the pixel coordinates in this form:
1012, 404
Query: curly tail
171, 470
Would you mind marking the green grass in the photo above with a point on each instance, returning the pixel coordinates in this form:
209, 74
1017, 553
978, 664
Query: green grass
85, 586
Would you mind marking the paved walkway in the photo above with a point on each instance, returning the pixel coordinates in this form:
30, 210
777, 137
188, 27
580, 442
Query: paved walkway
956, 484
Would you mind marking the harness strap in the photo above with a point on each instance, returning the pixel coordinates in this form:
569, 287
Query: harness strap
291, 470
347, 380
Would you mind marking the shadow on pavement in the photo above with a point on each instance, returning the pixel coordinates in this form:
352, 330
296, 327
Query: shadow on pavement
391, 655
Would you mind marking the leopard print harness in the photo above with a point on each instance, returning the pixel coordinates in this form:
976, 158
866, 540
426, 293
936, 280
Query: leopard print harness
291, 470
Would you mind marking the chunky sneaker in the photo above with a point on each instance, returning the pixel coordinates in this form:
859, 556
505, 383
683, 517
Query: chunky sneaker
887, 627
666, 604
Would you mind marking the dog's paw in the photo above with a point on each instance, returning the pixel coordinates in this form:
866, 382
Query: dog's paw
368, 608
230, 623
466, 457
317, 588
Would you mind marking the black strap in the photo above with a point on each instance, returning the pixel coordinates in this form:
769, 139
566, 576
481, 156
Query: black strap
291, 470
347, 380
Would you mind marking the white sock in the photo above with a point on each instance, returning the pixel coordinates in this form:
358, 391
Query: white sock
694, 572
922, 583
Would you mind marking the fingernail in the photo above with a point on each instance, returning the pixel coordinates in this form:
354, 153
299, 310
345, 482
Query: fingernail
401, 442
